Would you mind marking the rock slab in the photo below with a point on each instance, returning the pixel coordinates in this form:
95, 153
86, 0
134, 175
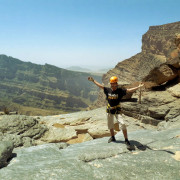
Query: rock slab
21, 130
155, 156
6, 148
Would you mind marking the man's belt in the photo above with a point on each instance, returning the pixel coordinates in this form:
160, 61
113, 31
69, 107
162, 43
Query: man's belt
113, 107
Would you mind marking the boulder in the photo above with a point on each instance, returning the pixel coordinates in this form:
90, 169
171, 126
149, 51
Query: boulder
174, 108
81, 138
16, 139
20, 129
156, 106
175, 90
6, 148
76, 127
99, 131
161, 74
158, 112
54, 135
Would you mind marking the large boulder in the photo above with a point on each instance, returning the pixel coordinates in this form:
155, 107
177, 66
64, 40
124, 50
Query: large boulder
54, 135
175, 90
6, 148
76, 127
156, 106
99, 131
81, 138
170, 69
21, 130
161, 74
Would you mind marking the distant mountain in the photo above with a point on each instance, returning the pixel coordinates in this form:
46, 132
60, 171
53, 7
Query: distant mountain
89, 70
78, 68
43, 89
105, 70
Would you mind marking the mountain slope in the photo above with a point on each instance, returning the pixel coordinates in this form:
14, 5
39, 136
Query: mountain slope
24, 84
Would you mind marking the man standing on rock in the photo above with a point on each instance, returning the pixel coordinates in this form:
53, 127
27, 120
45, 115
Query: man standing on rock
114, 96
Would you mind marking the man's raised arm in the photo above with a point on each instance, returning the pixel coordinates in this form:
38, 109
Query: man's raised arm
96, 83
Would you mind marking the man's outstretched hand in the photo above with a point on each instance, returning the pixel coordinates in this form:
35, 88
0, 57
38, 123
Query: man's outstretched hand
90, 79
141, 85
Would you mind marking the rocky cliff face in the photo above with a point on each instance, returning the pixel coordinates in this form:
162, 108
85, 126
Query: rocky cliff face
160, 39
157, 44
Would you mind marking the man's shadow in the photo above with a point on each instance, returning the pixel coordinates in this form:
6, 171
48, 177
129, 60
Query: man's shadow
137, 145
134, 145
142, 147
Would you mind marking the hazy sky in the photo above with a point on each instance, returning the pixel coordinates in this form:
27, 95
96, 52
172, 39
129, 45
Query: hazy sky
79, 32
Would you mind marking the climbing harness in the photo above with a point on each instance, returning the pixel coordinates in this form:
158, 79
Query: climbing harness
113, 109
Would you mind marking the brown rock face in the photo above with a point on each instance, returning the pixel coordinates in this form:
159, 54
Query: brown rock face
169, 70
174, 55
160, 44
159, 39
135, 68
161, 74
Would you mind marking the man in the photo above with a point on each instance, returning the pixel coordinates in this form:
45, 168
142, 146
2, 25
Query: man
114, 96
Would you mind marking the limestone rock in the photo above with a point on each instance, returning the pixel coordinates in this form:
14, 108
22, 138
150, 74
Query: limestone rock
156, 106
54, 135
158, 112
20, 129
134, 68
175, 90
174, 54
6, 148
99, 131
81, 138
159, 39
173, 110
16, 139
161, 74
77, 127
169, 70
155, 156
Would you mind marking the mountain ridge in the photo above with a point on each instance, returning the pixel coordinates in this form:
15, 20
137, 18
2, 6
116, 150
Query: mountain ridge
43, 87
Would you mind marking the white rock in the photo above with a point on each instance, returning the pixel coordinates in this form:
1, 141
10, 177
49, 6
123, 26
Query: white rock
99, 131
175, 90
55, 135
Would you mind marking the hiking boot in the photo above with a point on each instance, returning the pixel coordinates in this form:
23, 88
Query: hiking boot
127, 142
112, 139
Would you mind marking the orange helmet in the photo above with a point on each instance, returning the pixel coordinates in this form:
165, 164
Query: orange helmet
113, 79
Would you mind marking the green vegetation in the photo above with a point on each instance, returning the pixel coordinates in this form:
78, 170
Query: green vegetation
45, 87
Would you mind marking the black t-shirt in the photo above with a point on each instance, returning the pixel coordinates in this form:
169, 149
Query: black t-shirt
114, 97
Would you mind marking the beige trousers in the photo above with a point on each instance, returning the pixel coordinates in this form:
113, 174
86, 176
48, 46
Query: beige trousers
115, 121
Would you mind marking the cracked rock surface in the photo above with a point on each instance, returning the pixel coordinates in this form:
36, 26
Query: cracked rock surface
156, 155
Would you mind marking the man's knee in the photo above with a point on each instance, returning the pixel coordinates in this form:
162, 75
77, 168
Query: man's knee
123, 126
116, 127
